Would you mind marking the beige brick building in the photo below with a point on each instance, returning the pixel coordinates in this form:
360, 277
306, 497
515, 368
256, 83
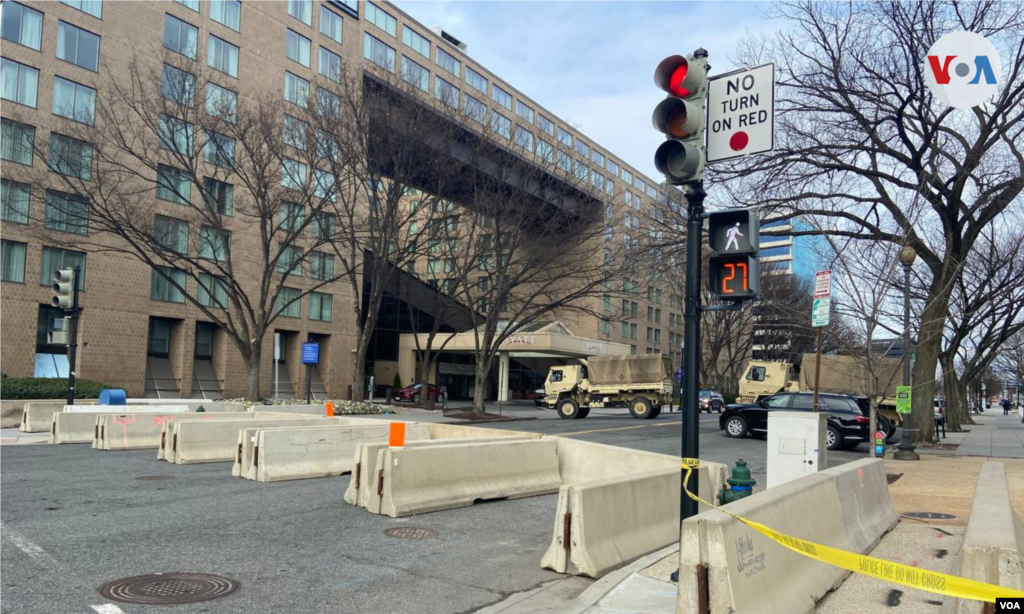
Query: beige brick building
136, 334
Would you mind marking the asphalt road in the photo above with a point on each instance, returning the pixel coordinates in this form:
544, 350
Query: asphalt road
74, 518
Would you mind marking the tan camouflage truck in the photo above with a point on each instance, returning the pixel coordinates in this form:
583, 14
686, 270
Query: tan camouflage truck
641, 383
839, 375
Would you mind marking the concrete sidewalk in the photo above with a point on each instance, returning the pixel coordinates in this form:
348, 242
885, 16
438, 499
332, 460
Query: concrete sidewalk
994, 435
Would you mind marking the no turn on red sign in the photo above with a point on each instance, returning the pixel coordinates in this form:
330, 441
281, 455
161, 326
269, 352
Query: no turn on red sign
741, 113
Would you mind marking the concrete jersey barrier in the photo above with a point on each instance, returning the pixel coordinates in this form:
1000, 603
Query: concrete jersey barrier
169, 429
126, 409
194, 404
294, 454
312, 410
584, 461
993, 549
37, 417
603, 525
198, 441
428, 479
141, 431
748, 573
366, 475
75, 427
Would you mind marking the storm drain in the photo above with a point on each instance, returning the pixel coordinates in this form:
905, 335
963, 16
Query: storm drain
929, 516
410, 532
168, 588
155, 477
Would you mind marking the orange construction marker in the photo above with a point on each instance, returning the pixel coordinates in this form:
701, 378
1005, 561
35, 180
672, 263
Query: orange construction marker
330, 409
396, 438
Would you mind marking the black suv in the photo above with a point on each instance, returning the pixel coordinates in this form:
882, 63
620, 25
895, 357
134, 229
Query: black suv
848, 416
711, 401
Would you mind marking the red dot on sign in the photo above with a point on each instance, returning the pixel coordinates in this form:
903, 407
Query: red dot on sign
739, 141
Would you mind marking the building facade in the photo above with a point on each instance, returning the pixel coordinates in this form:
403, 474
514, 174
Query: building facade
137, 332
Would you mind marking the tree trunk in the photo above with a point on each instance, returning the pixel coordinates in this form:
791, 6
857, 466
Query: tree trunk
252, 375
929, 345
949, 388
359, 376
483, 368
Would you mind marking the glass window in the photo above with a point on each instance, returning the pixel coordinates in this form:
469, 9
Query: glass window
327, 147
327, 104
768, 252
597, 157
295, 132
580, 170
296, 48
324, 186
320, 306
178, 86
15, 201
70, 156
167, 284
546, 151
77, 46
446, 92
627, 176
324, 224
379, 53
90, 7
613, 167
381, 19
74, 101
475, 109
223, 56
55, 258
331, 24
296, 90
18, 82
16, 142
321, 266
597, 180
288, 303
416, 42
221, 102
289, 260
638, 183
582, 148
23, 25
415, 74
293, 174
330, 65
524, 111
546, 125
524, 138
180, 37
564, 137
219, 149
291, 216
171, 233
501, 97
448, 62
214, 243
227, 13
12, 261
476, 80
218, 196
192, 4
173, 185
159, 343
564, 161
501, 124
651, 192
213, 291
301, 10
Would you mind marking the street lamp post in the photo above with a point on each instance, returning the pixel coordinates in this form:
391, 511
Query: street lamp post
907, 258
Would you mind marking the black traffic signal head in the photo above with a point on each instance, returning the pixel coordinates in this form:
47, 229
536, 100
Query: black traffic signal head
680, 117
683, 77
735, 277
63, 288
734, 271
735, 231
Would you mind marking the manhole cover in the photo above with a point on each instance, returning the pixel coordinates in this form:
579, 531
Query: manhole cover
892, 477
168, 588
929, 516
410, 532
155, 477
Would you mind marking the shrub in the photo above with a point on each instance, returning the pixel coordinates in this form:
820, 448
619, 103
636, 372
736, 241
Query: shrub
48, 388
397, 383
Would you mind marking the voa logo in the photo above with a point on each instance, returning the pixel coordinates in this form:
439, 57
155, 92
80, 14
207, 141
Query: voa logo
963, 69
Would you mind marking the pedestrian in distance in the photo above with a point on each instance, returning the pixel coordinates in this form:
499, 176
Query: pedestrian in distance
1006, 407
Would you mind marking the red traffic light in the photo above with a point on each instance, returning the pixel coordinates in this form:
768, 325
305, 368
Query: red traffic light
677, 76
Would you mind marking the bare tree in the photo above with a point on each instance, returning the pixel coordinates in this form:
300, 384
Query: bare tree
861, 140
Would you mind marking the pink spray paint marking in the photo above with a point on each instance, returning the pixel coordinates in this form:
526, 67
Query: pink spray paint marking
124, 421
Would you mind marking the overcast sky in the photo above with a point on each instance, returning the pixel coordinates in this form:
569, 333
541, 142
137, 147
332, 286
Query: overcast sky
592, 63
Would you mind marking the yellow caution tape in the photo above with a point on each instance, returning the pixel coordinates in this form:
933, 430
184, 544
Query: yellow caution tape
690, 463
898, 573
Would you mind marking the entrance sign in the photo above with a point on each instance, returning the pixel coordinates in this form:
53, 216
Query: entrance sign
741, 113
821, 310
903, 399
310, 353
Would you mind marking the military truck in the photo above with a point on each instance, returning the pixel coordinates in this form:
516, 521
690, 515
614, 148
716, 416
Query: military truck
839, 374
641, 383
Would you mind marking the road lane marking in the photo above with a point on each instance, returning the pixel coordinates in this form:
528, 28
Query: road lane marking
107, 608
620, 428
28, 547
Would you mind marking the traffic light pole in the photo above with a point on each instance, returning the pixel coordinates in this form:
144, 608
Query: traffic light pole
73, 337
691, 344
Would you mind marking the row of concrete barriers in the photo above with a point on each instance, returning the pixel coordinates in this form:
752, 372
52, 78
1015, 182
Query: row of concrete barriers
37, 416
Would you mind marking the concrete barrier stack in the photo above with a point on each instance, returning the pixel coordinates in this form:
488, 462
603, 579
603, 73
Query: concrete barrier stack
199, 441
80, 426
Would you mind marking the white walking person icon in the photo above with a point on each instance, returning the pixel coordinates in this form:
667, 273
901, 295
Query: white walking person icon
731, 234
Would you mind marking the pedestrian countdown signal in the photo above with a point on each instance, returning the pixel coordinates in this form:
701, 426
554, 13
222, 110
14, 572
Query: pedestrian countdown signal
734, 271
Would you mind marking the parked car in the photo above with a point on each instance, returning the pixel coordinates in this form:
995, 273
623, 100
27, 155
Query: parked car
710, 400
411, 394
538, 400
848, 416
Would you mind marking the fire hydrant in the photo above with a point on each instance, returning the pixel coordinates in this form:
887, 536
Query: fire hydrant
740, 484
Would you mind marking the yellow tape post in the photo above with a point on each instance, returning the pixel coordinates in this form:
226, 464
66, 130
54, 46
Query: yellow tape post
898, 573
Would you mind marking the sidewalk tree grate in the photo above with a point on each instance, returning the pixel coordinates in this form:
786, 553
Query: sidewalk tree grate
929, 515
155, 477
168, 588
410, 532
892, 477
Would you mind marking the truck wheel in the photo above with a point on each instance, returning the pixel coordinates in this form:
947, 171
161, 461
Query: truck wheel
584, 412
640, 407
568, 409
736, 426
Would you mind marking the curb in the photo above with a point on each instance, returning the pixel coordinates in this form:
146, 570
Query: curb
597, 591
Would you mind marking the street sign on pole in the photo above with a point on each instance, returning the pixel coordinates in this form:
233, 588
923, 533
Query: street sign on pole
310, 353
741, 113
903, 399
823, 284
821, 308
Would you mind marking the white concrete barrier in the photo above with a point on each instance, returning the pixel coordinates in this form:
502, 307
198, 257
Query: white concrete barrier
312, 410
140, 431
993, 549
293, 454
432, 478
366, 475
77, 427
194, 404
199, 441
169, 429
603, 525
749, 573
37, 416
126, 409
584, 461
441, 430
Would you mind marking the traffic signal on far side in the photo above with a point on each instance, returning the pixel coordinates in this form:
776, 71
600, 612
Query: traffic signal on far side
734, 271
680, 116
63, 288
